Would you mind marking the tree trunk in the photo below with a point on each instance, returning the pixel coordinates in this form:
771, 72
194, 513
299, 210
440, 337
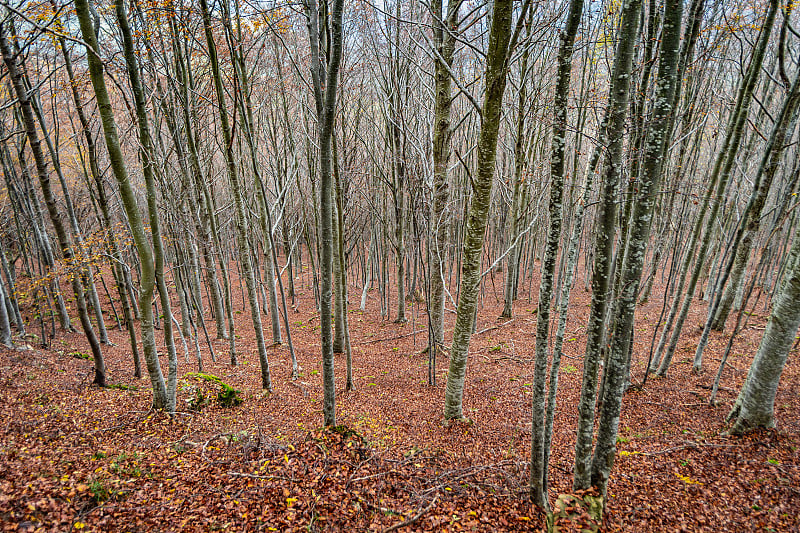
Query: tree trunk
444, 41
658, 136
147, 282
325, 98
781, 132
604, 231
236, 189
754, 408
538, 487
64, 240
720, 176
496, 70
146, 154
751, 217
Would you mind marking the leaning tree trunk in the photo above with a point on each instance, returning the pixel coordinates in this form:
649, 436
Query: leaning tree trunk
94, 170
211, 238
751, 216
496, 70
781, 132
64, 241
721, 174
248, 125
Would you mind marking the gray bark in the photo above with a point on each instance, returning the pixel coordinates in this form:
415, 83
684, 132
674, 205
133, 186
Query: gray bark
782, 132
538, 486
604, 230
146, 155
5, 325
721, 174
652, 166
754, 408
743, 241
325, 98
62, 233
444, 41
236, 189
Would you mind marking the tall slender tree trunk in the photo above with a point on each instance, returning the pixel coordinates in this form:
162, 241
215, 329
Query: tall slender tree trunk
781, 132
207, 216
325, 99
519, 188
236, 190
94, 170
496, 74
146, 154
444, 42
751, 216
62, 233
754, 408
147, 282
652, 166
538, 487
721, 174
604, 231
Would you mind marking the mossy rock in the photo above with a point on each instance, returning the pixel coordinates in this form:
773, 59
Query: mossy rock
203, 387
576, 512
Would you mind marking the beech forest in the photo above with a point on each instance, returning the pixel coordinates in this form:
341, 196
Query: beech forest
399, 265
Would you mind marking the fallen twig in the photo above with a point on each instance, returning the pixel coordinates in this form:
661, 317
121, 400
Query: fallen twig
299, 386
369, 476
414, 518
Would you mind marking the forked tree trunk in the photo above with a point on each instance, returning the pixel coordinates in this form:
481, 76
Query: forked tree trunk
538, 487
147, 282
604, 230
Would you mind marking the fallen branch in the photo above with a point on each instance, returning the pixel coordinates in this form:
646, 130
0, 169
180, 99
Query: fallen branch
496, 326
375, 341
414, 518
719, 388
299, 386
369, 476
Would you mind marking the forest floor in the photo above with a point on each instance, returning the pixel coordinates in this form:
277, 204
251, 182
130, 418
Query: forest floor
75, 457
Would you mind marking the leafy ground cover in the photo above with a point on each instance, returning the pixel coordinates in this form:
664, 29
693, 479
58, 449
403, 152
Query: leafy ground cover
74, 457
